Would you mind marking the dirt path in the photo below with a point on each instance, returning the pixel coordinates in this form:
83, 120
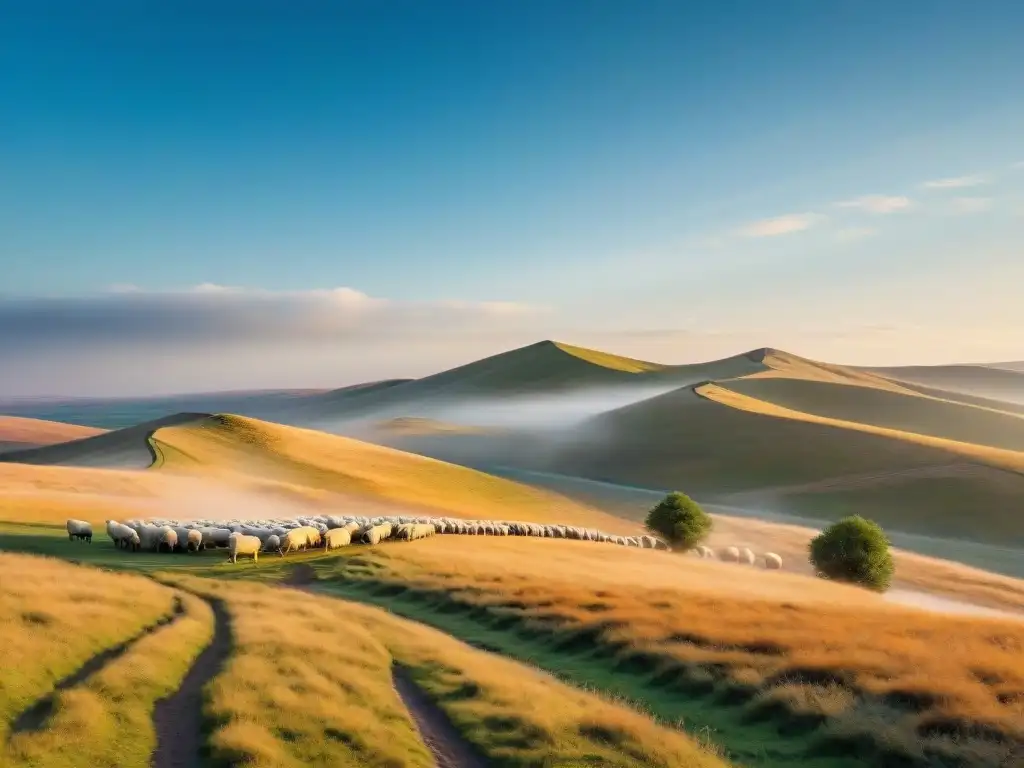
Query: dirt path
33, 718
446, 744
178, 719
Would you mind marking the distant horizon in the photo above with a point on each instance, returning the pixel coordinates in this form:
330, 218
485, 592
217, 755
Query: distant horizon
310, 391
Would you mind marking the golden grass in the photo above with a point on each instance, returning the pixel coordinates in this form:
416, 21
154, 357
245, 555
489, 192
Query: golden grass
310, 684
228, 446
610, 361
940, 679
14, 429
1007, 459
108, 718
54, 617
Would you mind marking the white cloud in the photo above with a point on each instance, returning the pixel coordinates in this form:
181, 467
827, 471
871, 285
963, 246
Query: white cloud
957, 182
852, 234
968, 205
1018, 165
878, 203
780, 225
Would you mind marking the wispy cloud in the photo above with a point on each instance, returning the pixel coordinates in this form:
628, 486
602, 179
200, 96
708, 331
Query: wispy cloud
878, 203
968, 205
852, 234
211, 313
780, 225
957, 182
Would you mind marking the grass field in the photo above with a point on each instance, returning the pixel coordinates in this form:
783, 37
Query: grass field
310, 681
87, 655
774, 669
793, 670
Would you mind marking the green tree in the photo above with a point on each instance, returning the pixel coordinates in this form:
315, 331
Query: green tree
679, 520
854, 550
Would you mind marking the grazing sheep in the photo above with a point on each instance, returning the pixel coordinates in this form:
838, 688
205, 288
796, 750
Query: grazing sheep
336, 538
166, 537
706, 552
730, 555
132, 540
244, 545
772, 561
295, 540
412, 531
79, 529
193, 540
377, 534
747, 556
272, 544
121, 534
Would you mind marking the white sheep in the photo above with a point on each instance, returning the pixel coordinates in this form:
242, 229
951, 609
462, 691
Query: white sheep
377, 534
336, 538
747, 556
293, 541
166, 537
243, 545
730, 555
79, 529
772, 561
273, 544
193, 540
706, 552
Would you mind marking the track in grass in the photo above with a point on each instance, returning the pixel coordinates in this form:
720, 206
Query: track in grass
33, 718
178, 719
446, 744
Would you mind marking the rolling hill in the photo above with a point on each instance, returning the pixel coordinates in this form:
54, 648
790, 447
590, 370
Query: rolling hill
978, 380
818, 440
222, 458
523, 377
17, 433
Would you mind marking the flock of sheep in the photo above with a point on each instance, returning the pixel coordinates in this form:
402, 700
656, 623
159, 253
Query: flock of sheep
249, 538
772, 561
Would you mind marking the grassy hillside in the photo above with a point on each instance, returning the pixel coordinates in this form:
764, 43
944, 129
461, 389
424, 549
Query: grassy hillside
320, 464
119, 448
911, 412
720, 444
544, 368
978, 380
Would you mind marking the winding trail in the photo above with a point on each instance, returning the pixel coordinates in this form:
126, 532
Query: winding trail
33, 718
178, 719
446, 744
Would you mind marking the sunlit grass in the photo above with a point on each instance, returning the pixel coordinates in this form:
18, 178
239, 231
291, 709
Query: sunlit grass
107, 719
781, 641
310, 683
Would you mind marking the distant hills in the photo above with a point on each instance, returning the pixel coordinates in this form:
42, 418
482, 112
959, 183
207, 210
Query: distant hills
927, 449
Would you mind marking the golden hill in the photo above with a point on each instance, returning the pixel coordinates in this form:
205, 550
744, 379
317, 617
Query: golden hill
821, 440
547, 367
16, 431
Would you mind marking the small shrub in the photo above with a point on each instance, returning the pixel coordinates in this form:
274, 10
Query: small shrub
679, 520
854, 550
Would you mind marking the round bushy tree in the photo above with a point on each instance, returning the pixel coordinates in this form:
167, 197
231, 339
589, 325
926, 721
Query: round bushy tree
854, 550
679, 520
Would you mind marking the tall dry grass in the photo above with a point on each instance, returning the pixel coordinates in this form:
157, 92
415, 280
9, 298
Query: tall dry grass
950, 685
55, 616
311, 681
303, 686
108, 718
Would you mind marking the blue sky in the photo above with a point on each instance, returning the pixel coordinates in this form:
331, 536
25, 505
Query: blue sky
664, 179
